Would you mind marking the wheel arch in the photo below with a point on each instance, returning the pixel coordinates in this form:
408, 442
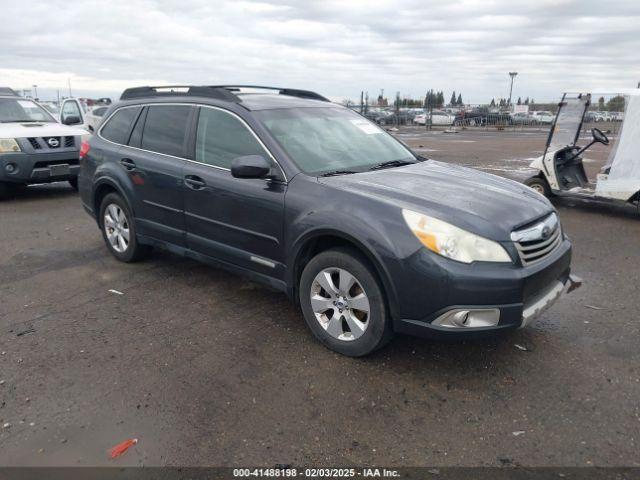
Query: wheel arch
103, 187
319, 241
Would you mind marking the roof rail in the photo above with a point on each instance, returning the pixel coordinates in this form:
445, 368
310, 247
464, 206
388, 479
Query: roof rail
220, 92
179, 90
8, 91
292, 92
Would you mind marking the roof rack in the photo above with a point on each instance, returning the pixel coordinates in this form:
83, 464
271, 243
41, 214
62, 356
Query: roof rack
219, 92
8, 91
178, 90
291, 92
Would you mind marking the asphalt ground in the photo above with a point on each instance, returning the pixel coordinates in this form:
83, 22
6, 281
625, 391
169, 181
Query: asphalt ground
206, 368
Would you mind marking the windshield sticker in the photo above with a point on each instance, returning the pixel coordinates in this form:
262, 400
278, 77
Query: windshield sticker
366, 126
25, 103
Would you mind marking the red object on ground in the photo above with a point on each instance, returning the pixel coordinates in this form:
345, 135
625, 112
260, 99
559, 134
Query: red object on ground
119, 449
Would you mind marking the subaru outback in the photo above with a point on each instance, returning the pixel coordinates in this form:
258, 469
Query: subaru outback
311, 198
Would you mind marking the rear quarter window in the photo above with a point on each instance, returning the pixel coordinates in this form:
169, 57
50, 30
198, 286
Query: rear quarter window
118, 125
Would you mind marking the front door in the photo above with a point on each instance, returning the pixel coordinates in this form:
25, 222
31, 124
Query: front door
239, 221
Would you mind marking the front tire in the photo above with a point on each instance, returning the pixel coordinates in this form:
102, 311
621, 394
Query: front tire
540, 185
343, 303
119, 231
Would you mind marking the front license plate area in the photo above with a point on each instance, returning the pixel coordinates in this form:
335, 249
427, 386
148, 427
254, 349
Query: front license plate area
59, 170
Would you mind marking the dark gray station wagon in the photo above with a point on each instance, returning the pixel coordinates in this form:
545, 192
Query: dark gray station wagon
316, 201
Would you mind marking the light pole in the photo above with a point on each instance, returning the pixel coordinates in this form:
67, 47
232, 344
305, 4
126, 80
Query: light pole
512, 75
35, 89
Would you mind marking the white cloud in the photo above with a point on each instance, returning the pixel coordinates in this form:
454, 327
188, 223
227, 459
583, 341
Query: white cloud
335, 47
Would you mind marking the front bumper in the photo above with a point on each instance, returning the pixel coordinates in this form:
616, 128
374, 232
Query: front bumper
464, 300
540, 303
27, 167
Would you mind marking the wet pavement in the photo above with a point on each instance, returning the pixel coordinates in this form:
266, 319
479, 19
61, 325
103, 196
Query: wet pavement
206, 368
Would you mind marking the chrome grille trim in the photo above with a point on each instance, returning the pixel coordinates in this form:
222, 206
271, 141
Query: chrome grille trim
533, 245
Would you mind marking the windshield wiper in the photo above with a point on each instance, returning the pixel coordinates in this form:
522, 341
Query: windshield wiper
391, 163
337, 172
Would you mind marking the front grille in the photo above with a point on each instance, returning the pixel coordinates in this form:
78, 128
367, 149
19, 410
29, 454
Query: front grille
534, 243
52, 142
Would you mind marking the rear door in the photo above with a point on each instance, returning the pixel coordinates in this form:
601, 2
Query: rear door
236, 220
154, 158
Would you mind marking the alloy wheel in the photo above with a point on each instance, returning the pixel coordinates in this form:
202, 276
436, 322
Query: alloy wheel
116, 227
340, 304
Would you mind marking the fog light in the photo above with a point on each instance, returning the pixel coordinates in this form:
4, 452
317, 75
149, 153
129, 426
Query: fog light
468, 318
11, 167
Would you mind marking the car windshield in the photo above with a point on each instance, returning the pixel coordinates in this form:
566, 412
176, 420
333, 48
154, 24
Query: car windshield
568, 122
21, 110
321, 140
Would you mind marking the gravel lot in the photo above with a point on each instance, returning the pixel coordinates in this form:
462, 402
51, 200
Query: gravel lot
206, 368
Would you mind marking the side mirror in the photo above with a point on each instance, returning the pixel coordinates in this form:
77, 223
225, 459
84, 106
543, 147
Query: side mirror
250, 166
71, 120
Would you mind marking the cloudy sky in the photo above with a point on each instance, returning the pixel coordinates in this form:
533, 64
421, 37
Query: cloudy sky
336, 47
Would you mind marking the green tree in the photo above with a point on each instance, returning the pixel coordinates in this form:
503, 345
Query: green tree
526, 101
440, 99
616, 104
459, 101
601, 103
493, 102
519, 101
453, 98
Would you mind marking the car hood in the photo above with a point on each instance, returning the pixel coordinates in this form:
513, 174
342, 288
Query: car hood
45, 129
479, 202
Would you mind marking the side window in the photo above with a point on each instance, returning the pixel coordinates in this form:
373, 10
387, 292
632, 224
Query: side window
221, 137
165, 129
118, 126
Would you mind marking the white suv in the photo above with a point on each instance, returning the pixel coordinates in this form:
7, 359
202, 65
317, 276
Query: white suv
34, 146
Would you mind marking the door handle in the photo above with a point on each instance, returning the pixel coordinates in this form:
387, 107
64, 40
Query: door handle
194, 182
128, 164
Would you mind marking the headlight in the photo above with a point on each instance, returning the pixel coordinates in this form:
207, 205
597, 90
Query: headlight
8, 145
453, 242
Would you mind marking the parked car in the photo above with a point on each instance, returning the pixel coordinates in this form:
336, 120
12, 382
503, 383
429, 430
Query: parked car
34, 147
436, 118
617, 116
94, 116
520, 118
51, 107
482, 116
542, 117
318, 202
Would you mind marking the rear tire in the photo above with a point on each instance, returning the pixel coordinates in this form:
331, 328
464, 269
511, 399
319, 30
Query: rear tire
540, 185
349, 316
74, 183
119, 230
